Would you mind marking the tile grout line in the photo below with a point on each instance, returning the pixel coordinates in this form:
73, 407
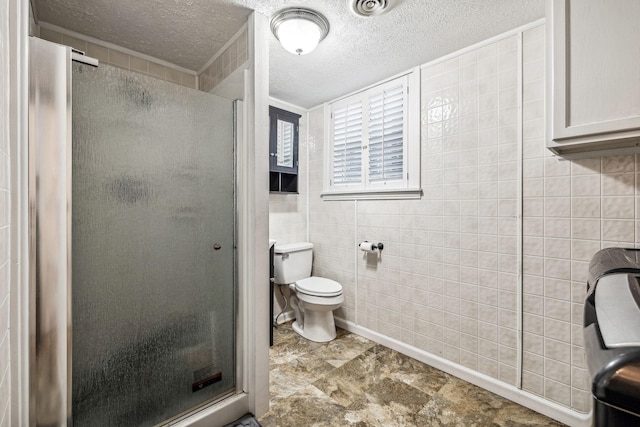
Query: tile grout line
355, 259
519, 213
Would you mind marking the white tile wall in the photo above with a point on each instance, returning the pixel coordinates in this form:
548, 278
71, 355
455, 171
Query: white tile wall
288, 216
5, 371
228, 61
470, 204
333, 225
563, 225
121, 59
447, 280
288, 212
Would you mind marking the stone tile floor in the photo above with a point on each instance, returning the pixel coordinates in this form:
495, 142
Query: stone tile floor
353, 381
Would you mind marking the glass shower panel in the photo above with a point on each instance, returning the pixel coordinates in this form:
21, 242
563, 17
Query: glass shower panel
153, 305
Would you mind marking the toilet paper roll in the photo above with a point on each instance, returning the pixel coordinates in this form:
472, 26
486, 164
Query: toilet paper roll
366, 247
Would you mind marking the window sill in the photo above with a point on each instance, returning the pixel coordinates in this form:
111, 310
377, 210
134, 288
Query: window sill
397, 194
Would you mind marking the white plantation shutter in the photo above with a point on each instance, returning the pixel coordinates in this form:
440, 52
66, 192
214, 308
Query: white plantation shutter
347, 144
386, 135
374, 142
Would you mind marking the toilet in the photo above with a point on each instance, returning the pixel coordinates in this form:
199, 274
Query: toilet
313, 299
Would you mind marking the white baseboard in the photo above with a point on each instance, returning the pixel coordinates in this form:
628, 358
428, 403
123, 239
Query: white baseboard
524, 398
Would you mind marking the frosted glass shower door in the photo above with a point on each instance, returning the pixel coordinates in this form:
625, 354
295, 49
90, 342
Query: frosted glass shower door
153, 293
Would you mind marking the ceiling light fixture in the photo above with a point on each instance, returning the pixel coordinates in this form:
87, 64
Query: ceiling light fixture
299, 30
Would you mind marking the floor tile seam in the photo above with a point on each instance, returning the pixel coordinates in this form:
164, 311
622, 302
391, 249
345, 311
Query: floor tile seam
347, 347
367, 396
335, 402
362, 353
411, 414
424, 392
416, 390
438, 392
334, 368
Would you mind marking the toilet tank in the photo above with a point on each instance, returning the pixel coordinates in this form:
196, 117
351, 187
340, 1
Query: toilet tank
292, 262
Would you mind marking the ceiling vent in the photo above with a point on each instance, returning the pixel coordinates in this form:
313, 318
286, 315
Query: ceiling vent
367, 8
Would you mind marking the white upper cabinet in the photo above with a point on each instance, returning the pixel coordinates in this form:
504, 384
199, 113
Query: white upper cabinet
593, 76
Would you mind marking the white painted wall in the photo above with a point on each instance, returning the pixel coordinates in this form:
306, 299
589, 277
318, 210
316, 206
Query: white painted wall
5, 209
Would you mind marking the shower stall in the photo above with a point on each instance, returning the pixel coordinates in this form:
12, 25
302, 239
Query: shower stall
133, 275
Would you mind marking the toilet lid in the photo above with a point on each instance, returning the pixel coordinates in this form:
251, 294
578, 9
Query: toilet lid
319, 286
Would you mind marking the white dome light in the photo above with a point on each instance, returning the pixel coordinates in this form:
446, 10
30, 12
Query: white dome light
299, 30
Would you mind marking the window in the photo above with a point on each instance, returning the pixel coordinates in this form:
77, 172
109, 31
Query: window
373, 142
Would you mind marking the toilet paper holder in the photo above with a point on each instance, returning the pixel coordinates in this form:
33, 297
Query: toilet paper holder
367, 246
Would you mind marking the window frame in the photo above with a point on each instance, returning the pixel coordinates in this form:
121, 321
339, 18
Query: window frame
406, 188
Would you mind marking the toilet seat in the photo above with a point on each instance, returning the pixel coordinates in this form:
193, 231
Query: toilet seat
319, 286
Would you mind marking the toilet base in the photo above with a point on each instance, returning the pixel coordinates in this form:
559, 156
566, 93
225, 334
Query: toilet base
319, 326
297, 328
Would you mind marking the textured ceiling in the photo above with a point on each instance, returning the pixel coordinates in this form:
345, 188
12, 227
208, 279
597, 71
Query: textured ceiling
356, 53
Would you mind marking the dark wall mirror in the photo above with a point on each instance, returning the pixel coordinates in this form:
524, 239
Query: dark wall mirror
283, 150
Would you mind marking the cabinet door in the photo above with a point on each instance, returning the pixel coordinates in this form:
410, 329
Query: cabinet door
595, 71
283, 141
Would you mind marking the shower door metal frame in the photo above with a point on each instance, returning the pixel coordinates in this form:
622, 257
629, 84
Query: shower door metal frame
49, 233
